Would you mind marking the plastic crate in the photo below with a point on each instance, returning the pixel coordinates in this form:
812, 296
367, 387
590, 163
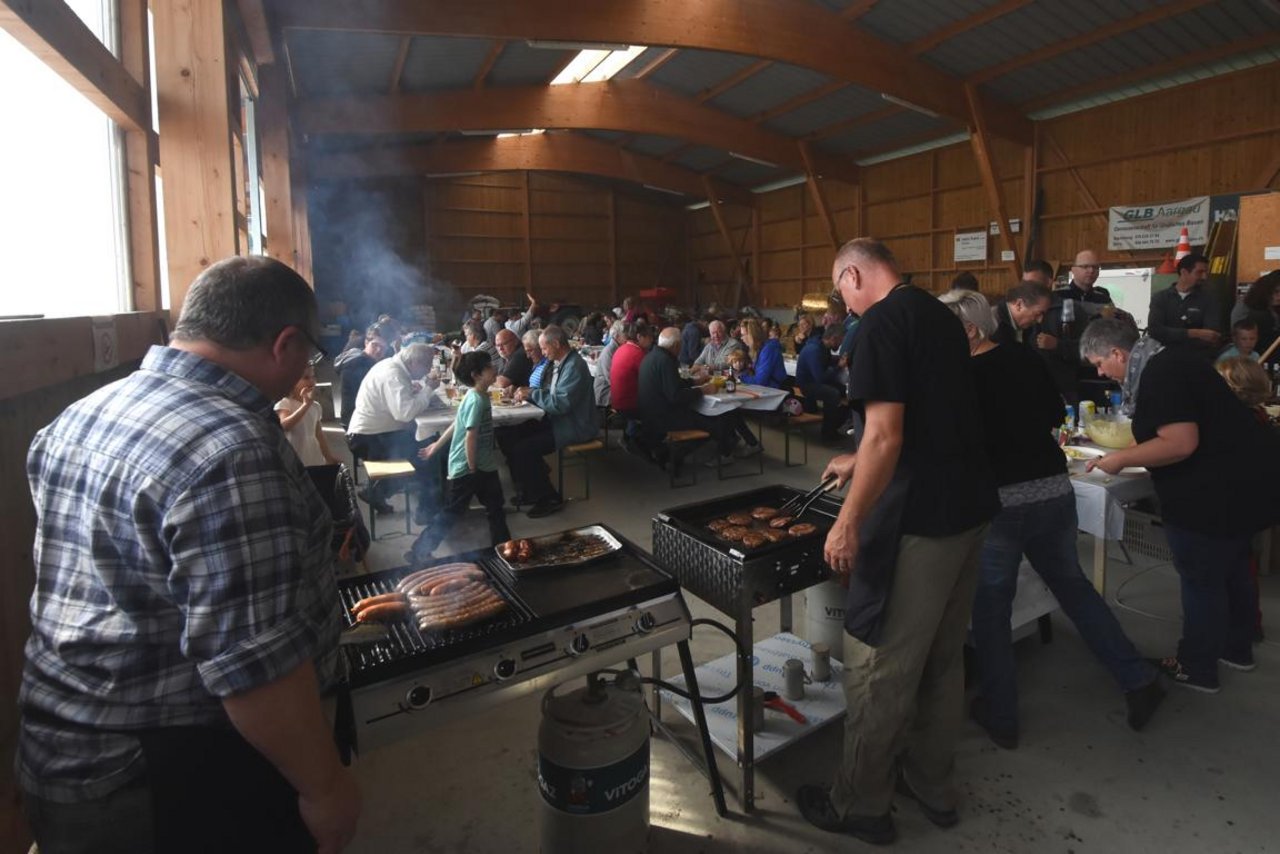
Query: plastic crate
1144, 532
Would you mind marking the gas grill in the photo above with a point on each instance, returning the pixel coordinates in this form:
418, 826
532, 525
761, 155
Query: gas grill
735, 580
560, 624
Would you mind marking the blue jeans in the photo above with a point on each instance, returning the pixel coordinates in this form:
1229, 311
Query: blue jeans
1046, 533
1219, 601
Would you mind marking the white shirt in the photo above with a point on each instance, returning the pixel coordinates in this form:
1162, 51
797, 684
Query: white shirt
491, 328
518, 325
386, 401
483, 345
302, 435
555, 374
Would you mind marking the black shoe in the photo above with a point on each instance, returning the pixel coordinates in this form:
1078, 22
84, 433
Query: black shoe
545, 507
1002, 736
1143, 702
815, 806
1173, 668
1244, 665
519, 500
941, 818
382, 508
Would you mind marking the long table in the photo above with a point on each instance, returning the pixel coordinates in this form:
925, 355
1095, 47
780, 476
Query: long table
754, 397
1100, 500
442, 412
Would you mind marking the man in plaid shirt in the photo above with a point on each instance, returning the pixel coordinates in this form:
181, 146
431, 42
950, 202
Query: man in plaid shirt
185, 616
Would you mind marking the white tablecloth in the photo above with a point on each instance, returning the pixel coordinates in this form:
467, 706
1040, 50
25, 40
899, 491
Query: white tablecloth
441, 415
1100, 500
760, 398
789, 362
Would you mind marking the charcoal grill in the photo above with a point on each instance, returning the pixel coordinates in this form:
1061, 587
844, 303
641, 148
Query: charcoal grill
736, 580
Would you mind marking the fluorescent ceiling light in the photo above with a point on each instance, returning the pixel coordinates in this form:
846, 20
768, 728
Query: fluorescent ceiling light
780, 185
559, 45
451, 174
595, 65
530, 132
755, 160
663, 190
910, 106
697, 206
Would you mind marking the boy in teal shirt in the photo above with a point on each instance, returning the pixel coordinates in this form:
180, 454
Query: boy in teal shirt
472, 469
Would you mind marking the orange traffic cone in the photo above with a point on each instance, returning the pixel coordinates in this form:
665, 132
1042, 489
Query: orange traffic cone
1167, 265
1184, 246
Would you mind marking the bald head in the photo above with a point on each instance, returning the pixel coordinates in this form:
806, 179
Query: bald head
864, 272
1084, 272
669, 339
506, 342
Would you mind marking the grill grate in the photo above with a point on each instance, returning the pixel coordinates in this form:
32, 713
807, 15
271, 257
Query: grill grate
407, 642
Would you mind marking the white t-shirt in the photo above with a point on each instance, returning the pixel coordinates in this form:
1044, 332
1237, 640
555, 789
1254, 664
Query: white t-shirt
302, 435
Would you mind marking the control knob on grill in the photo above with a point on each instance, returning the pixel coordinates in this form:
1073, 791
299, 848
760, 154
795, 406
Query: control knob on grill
504, 669
579, 645
646, 623
418, 697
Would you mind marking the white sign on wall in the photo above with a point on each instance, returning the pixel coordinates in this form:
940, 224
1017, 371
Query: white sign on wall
106, 354
1157, 226
971, 246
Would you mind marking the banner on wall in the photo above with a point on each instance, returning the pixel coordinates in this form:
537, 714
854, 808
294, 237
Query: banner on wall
971, 246
1157, 226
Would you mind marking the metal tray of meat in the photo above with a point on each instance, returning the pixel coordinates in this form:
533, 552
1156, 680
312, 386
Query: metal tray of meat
557, 551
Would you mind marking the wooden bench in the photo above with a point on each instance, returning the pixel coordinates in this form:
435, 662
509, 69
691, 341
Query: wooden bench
796, 424
677, 440
577, 456
395, 470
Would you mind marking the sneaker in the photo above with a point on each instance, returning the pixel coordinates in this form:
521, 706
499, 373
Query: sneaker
941, 818
1173, 668
545, 507
382, 508
815, 805
746, 451
1142, 703
1244, 665
1003, 737
722, 460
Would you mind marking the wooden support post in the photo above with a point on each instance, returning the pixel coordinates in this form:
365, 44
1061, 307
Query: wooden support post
1030, 188
613, 244
723, 228
811, 178
140, 165
1268, 174
273, 123
195, 139
986, 168
301, 219
528, 231
1075, 174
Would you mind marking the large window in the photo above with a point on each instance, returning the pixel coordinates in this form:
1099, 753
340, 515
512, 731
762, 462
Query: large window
63, 248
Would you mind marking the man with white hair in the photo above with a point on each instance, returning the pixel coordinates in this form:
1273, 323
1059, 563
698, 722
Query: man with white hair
666, 401
604, 362
716, 354
908, 539
395, 392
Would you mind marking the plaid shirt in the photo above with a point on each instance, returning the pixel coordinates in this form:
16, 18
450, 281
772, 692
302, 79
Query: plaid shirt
182, 556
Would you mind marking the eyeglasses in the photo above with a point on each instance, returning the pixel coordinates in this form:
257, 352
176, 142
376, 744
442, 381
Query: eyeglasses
320, 353
1087, 266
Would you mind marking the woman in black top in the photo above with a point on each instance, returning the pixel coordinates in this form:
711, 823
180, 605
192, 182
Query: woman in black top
1020, 406
1215, 470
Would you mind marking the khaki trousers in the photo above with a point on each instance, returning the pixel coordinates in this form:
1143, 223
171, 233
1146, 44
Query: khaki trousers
905, 697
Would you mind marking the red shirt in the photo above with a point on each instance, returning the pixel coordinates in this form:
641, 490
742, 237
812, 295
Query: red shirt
624, 377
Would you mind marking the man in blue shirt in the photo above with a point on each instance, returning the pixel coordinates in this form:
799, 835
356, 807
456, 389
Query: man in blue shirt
818, 380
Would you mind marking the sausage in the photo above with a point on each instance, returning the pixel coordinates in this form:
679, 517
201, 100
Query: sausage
740, 519
508, 549
414, 579
802, 530
764, 514
754, 540
781, 521
370, 601
421, 602
449, 585
462, 618
384, 612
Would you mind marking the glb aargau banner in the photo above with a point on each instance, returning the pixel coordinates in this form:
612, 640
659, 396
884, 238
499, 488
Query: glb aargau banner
1157, 225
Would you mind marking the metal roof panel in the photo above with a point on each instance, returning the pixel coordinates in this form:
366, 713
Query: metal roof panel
654, 145
905, 124
691, 71
700, 158
903, 21
765, 90
327, 62
442, 63
748, 174
843, 104
521, 65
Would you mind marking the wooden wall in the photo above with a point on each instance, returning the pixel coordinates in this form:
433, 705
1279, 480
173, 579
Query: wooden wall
1216, 136
566, 239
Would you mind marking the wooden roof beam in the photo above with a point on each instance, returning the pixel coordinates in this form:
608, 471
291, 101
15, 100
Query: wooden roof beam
793, 31
857, 9
661, 60
55, 34
491, 58
630, 106
990, 181
732, 80
548, 152
937, 37
397, 67
855, 122
799, 101
1160, 69
254, 18
1133, 22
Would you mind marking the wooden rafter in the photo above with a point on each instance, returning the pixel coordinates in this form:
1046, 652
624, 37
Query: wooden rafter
490, 60
799, 32
857, 9
397, 67
732, 80
140, 166
55, 34
1168, 10
1160, 69
661, 60
629, 106
819, 201
799, 101
1083, 187
549, 152
937, 37
990, 181
855, 122
1268, 173
255, 25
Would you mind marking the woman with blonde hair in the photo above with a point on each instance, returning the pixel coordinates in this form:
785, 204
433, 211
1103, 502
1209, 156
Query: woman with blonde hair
1247, 379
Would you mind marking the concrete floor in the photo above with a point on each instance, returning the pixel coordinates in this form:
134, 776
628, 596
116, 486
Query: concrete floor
1201, 778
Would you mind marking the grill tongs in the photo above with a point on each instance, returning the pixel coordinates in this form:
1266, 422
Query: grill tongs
798, 505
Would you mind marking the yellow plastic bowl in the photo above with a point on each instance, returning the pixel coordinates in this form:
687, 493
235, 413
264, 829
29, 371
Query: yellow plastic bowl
1110, 432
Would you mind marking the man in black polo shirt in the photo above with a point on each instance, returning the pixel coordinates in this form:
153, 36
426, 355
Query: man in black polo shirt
520, 363
908, 539
1057, 337
1185, 315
